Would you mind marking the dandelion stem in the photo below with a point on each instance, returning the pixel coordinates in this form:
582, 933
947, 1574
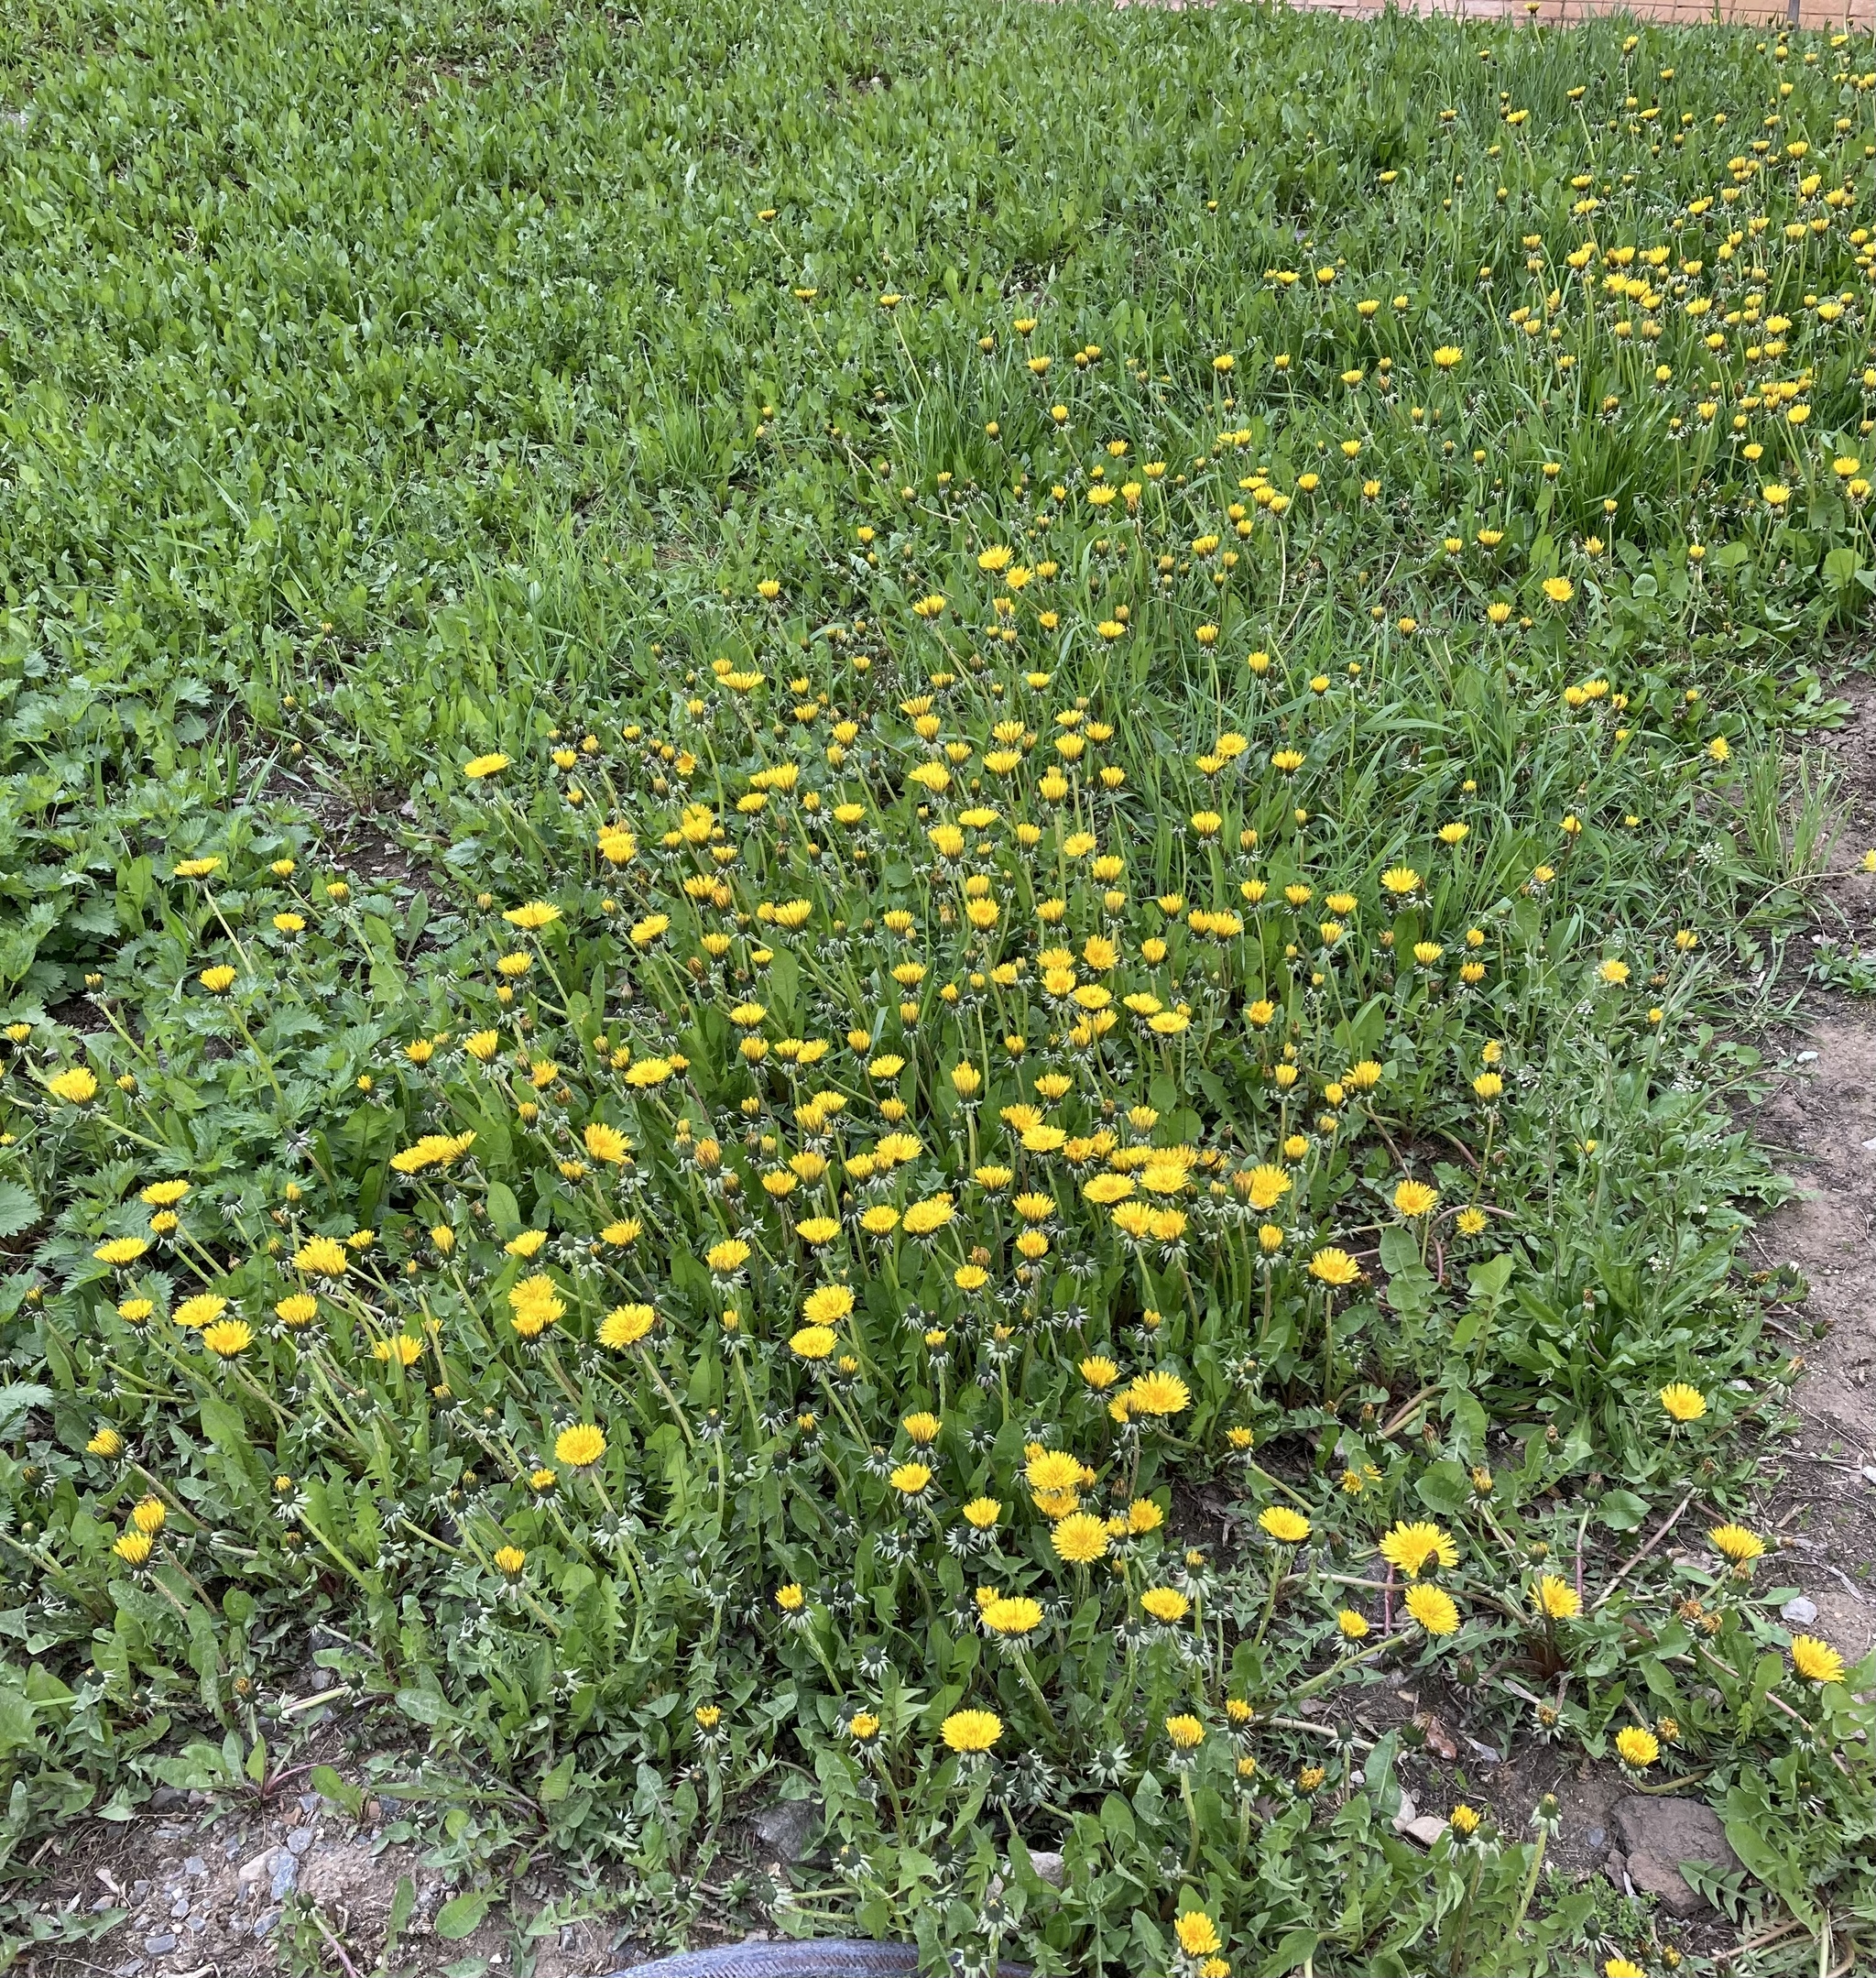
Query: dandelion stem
338, 1557
1530, 1888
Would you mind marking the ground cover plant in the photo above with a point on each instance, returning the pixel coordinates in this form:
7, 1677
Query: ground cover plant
1089, 742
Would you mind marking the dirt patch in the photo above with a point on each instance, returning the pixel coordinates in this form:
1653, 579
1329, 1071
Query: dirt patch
1821, 1119
359, 838
1825, 1506
206, 1889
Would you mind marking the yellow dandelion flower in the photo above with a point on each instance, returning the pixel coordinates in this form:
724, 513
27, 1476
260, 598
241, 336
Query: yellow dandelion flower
580, 1447
1080, 1538
1817, 1661
971, 1732
1556, 1598
1333, 1267
1637, 1747
1197, 1934
1158, 1394
1415, 1199
626, 1325
1012, 1616
1736, 1543
1412, 1549
1433, 1609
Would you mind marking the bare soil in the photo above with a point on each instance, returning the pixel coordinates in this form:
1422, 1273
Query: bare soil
202, 1889
1822, 1120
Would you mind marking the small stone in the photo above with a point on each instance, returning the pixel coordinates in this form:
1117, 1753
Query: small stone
1409, 1812
788, 1829
180, 1907
1427, 1829
255, 1870
266, 1922
1048, 1864
1799, 1612
1656, 1835
158, 1945
195, 1865
286, 1874
300, 1840
1597, 1837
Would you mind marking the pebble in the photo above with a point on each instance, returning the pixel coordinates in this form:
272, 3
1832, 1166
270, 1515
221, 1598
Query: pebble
300, 1840
157, 1946
1800, 1611
195, 1865
257, 1868
286, 1874
265, 1922
180, 1907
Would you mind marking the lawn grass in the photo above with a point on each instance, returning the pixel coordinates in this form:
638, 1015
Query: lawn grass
1090, 744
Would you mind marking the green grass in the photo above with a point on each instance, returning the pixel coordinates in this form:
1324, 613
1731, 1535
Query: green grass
389, 389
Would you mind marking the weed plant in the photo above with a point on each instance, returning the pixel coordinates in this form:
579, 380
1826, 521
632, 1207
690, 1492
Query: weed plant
1089, 741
